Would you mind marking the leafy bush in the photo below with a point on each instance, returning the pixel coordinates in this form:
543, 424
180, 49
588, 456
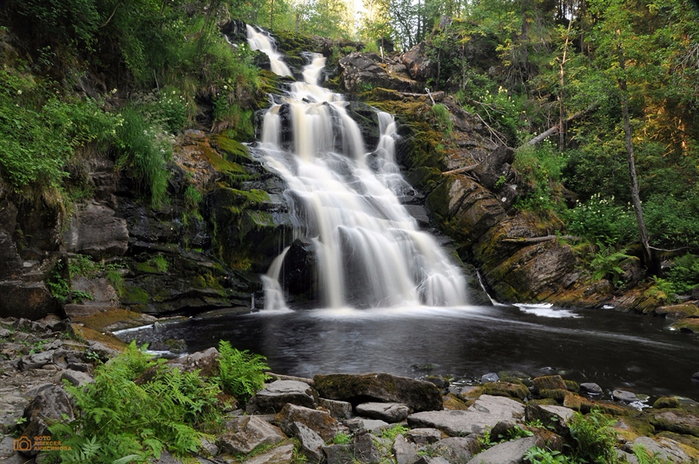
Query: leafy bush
602, 220
672, 220
144, 152
242, 373
594, 438
124, 418
684, 273
606, 263
540, 170
536, 455
443, 118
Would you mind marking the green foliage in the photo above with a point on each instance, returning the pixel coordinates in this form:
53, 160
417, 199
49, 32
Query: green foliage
645, 457
40, 133
393, 432
536, 455
144, 152
684, 273
606, 264
124, 418
602, 220
159, 262
518, 432
594, 438
663, 290
192, 198
116, 280
540, 170
341, 438
443, 119
672, 219
242, 373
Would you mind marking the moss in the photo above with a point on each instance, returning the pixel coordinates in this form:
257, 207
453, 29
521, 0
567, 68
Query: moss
102, 320
134, 295
454, 403
557, 394
689, 324
572, 386
233, 150
666, 402
549, 382
511, 390
109, 340
221, 164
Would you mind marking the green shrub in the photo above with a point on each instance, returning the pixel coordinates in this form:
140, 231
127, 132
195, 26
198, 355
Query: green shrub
602, 220
539, 169
606, 264
536, 455
594, 438
684, 273
443, 119
144, 152
120, 419
672, 220
242, 373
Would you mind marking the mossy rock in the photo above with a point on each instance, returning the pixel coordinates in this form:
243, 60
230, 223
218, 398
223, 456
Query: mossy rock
511, 390
676, 420
558, 394
549, 382
688, 324
666, 402
572, 386
108, 340
454, 403
233, 150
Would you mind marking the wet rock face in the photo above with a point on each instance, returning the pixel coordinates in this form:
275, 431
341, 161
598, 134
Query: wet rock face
418, 65
361, 72
95, 230
300, 269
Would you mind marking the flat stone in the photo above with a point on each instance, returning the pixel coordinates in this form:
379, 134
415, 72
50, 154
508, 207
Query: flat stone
245, 433
509, 452
36, 360
676, 420
432, 460
338, 409
11, 410
389, 412
404, 451
281, 455
274, 396
624, 396
484, 413
490, 377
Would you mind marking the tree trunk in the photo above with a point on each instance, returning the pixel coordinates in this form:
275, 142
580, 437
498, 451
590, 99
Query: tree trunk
631, 160
553, 130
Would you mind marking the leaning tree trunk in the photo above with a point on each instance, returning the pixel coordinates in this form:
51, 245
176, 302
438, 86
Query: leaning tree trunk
631, 160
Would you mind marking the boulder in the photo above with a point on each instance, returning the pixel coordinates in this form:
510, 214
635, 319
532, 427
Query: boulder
245, 433
423, 436
484, 413
36, 360
300, 268
370, 425
30, 300
319, 421
591, 389
364, 448
76, 378
283, 454
338, 409
404, 451
51, 405
389, 412
339, 454
555, 418
206, 362
457, 449
663, 449
96, 231
624, 396
676, 420
361, 71
11, 410
419, 66
274, 396
418, 395
509, 452
311, 443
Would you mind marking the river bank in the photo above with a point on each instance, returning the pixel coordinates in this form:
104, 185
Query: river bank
437, 418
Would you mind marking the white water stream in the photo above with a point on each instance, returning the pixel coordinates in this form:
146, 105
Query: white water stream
370, 252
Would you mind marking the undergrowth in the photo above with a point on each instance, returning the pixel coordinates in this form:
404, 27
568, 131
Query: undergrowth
139, 407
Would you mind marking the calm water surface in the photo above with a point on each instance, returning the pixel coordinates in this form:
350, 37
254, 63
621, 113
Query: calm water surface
613, 349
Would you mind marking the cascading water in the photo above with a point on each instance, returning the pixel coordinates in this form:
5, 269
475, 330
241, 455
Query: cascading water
345, 200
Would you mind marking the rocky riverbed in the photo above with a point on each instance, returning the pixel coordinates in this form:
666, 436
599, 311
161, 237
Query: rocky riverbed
343, 418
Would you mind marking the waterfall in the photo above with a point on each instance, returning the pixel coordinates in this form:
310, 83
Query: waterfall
344, 200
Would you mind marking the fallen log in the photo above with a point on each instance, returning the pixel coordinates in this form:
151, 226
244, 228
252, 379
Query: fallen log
546, 238
553, 130
464, 169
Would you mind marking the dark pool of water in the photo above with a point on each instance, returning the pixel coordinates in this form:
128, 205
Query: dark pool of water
615, 350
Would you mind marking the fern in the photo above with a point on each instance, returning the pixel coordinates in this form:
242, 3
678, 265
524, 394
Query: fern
242, 374
606, 263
